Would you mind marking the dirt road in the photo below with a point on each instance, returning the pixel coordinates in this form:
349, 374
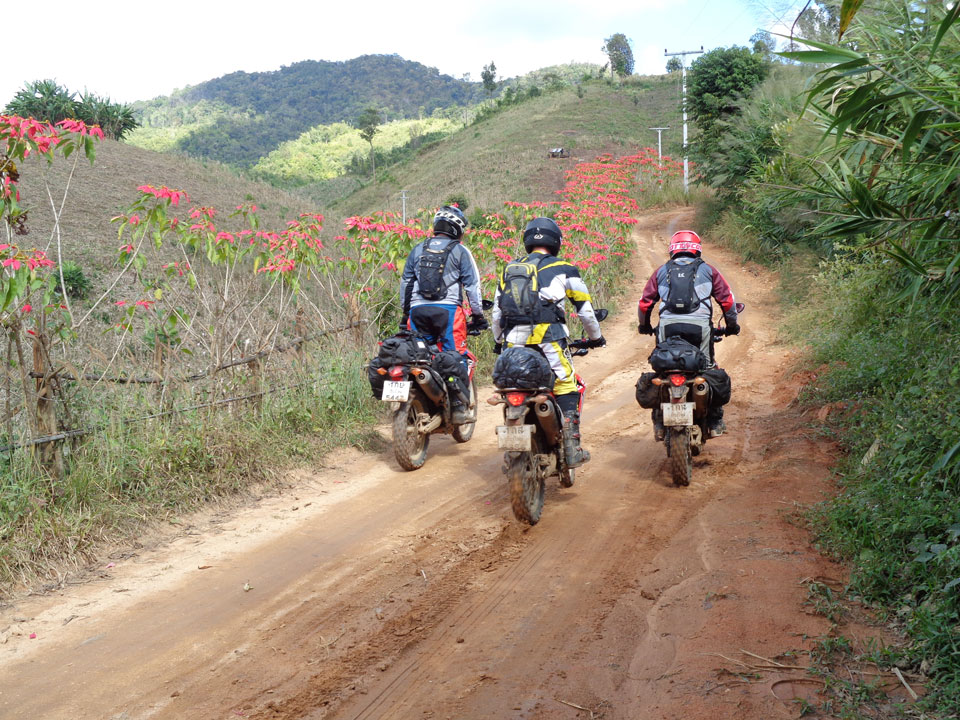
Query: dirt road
375, 593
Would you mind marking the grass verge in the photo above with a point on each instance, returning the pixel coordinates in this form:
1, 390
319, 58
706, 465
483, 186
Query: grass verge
137, 473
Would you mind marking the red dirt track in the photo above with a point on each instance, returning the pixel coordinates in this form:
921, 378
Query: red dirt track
376, 593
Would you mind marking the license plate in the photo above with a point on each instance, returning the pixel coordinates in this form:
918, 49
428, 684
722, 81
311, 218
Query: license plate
677, 414
394, 391
515, 437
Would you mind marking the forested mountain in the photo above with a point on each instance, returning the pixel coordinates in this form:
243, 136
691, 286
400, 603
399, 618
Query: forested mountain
246, 115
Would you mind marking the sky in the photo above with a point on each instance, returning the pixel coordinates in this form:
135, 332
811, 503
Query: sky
141, 50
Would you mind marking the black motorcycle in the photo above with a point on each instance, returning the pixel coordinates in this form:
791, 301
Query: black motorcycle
532, 438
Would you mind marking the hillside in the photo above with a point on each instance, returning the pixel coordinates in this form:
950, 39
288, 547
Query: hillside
501, 158
240, 117
505, 157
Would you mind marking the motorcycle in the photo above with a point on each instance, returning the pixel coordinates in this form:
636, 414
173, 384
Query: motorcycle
532, 438
684, 400
422, 403
422, 407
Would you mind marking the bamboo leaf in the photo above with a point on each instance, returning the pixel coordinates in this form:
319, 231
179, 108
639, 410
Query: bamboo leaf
952, 16
848, 9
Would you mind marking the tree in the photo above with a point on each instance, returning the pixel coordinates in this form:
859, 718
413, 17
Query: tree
44, 100
489, 77
763, 45
617, 48
674, 64
717, 81
369, 123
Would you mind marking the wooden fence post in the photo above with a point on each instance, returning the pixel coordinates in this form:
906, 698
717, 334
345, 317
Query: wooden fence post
51, 458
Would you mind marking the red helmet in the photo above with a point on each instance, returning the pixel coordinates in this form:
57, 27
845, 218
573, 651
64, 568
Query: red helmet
685, 241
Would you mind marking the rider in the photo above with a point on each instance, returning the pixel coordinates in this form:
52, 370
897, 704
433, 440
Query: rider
437, 272
688, 311
556, 280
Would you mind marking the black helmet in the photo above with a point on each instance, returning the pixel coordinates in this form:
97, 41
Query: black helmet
450, 221
542, 232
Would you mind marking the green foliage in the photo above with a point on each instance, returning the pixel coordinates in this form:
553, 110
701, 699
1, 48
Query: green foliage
892, 112
489, 78
617, 48
239, 118
74, 280
47, 101
716, 83
44, 100
458, 199
161, 468
328, 151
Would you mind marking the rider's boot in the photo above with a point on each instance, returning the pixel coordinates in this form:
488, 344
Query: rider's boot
576, 455
715, 424
460, 413
659, 431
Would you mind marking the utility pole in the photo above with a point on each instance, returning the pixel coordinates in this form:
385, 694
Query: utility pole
683, 66
403, 199
659, 153
659, 142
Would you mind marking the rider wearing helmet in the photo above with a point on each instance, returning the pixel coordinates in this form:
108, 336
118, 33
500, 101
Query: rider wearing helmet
544, 327
682, 289
435, 276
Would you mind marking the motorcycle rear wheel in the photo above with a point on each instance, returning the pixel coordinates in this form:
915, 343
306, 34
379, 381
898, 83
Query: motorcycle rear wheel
409, 445
526, 484
462, 433
681, 459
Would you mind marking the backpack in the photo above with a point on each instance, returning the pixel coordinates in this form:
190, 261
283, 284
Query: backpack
433, 261
682, 295
520, 301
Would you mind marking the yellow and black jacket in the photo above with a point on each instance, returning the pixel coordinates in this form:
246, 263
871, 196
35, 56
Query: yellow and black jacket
558, 280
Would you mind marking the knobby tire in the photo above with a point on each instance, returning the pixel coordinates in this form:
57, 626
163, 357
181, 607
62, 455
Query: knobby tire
409, 446
681, 459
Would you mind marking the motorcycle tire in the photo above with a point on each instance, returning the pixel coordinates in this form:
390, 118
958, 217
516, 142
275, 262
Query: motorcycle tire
462, 433
526, 484
681, 458
409, 445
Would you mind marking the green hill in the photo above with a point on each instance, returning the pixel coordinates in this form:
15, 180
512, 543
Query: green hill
240, 117
505, 157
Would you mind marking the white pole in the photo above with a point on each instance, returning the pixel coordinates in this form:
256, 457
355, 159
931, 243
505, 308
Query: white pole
683, 66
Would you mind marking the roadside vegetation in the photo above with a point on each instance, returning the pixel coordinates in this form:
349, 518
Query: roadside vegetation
851, 158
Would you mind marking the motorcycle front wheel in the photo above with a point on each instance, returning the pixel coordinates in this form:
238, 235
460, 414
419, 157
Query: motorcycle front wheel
409, 444
462, 433
681, 458
526, 483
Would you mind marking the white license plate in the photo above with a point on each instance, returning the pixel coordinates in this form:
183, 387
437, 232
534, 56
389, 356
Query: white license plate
677, 414
515, 437
394, 391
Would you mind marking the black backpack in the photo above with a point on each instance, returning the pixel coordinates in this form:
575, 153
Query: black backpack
520, 301
682, 295
433, 260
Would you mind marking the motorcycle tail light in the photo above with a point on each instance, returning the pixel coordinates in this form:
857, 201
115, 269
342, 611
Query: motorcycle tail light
516, 398
396, 372
677, 380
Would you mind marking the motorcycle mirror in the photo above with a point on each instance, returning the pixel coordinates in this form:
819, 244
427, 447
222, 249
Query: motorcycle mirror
601, 314
740, 308
487, 304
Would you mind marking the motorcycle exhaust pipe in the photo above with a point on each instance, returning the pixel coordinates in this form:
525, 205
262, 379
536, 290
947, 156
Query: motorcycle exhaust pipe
701, 394
429, 385
547, 416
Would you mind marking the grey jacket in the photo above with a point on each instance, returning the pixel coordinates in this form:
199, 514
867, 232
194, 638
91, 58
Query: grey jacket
459, 274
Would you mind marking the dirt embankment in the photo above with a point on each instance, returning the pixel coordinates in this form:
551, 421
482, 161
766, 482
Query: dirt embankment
376, 593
